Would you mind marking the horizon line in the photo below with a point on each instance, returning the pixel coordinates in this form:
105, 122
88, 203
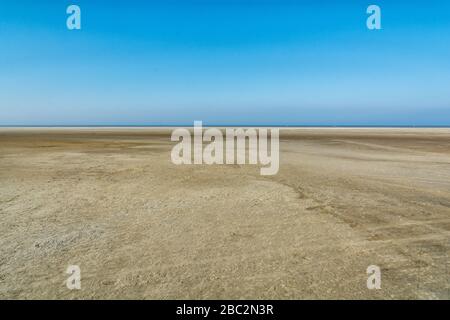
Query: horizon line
221, 125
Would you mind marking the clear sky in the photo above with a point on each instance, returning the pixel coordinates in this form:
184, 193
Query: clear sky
225, 62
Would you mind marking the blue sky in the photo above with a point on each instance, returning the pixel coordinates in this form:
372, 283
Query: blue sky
225, 62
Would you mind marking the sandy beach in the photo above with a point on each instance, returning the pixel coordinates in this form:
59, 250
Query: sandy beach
111, 201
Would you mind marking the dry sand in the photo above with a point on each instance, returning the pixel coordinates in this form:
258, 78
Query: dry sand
111, 201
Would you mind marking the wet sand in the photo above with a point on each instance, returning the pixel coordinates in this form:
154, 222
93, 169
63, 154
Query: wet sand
111, 201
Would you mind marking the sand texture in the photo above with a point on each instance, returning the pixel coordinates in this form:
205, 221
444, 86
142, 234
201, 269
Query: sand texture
111, 201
